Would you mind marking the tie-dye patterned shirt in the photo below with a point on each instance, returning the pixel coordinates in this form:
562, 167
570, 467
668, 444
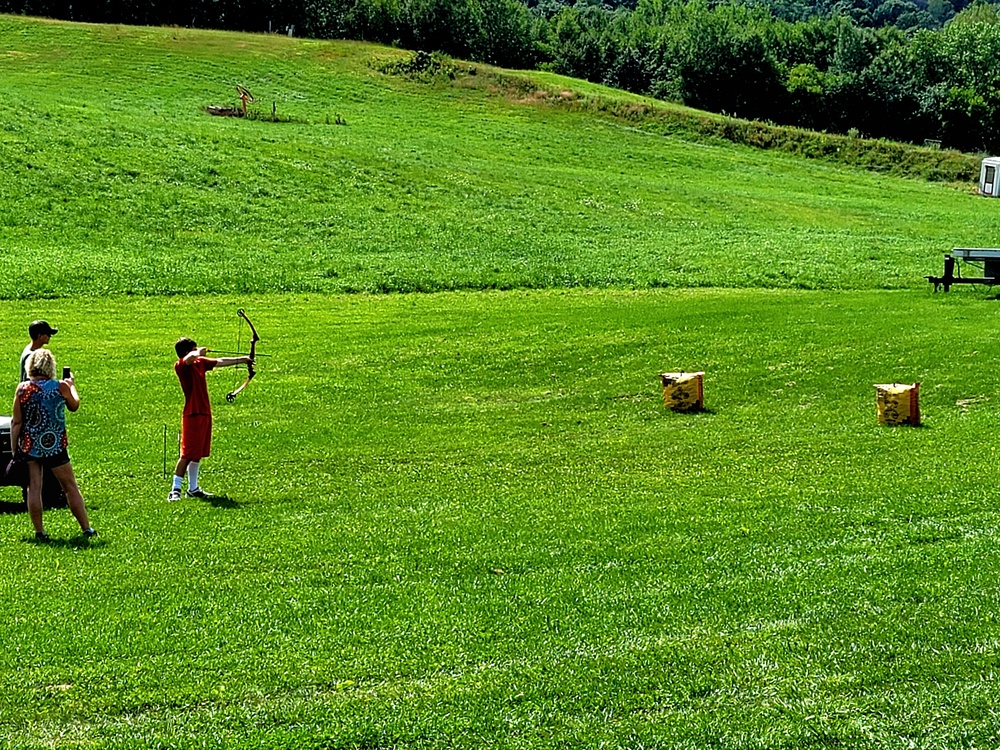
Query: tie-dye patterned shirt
43, 411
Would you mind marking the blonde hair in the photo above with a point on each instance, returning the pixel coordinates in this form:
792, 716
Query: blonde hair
41, 364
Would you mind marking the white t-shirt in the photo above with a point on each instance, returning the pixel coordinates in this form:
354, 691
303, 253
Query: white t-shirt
24, 361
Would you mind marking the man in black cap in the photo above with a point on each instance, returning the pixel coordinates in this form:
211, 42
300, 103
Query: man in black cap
40, 332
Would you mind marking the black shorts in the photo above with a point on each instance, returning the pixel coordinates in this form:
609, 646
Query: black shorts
51, 462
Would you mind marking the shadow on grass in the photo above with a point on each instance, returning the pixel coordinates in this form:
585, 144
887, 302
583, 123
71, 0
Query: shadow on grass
77, 542
22, 507
220, 501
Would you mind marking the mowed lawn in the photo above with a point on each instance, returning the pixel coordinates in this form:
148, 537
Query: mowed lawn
461, 516
467, 520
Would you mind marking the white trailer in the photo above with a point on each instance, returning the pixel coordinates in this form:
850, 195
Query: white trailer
989, 177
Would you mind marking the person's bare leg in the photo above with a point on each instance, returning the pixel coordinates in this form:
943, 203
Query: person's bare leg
178, 481
35, 496
67, 479
181, 468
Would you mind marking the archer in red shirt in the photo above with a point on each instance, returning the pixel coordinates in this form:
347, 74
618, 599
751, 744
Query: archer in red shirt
196, 420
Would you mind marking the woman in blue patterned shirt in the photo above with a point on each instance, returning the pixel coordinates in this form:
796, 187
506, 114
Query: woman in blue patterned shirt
38, 430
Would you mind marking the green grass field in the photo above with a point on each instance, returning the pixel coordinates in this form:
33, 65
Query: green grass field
464, 518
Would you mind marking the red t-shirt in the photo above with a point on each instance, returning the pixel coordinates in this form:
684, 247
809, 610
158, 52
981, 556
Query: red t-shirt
192, 377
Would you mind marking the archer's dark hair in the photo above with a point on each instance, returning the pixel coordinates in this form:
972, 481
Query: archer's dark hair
184, 346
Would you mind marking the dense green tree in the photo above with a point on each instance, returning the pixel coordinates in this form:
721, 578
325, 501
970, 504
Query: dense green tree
891, 95
374, 20
576, 45
941, 11
506, 35
851, 53
978, 12
808, 91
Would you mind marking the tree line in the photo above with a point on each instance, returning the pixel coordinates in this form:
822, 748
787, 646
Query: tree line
836, 70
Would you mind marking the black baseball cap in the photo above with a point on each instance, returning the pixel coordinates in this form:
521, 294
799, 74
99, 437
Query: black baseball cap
41, 328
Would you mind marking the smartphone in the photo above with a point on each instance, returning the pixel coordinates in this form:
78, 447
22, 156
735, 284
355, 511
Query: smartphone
65, 373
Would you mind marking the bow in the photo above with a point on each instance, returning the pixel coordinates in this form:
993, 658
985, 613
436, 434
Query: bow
251, 371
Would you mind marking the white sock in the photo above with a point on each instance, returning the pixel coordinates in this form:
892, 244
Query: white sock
177, 482
192, 476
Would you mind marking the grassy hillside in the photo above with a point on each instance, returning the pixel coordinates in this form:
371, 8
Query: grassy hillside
111, 164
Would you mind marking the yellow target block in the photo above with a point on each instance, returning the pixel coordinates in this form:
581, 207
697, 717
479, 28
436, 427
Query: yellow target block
683, 391
898, 403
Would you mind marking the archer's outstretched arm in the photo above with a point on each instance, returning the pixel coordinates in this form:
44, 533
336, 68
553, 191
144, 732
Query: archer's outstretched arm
231, 361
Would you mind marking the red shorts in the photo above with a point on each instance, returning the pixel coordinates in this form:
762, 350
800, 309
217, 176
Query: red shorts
196, 437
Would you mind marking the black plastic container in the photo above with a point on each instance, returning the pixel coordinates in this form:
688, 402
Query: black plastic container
52, 494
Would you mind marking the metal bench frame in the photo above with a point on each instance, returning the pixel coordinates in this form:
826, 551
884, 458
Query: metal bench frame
988, 256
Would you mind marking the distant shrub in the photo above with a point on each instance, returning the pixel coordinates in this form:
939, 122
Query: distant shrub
424, 65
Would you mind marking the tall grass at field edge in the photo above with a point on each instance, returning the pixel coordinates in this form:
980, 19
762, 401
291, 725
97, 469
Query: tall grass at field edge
878, 155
